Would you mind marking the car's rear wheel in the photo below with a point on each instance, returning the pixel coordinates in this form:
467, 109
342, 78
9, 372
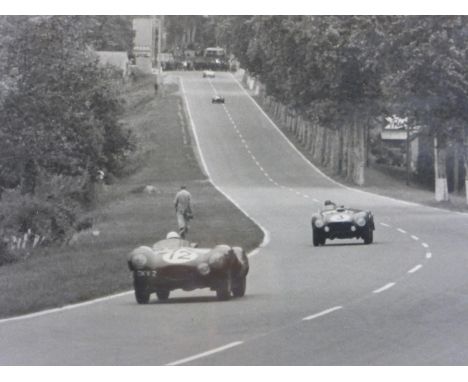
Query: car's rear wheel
239, 286
142, 295
162, 294
223, 292
368, 236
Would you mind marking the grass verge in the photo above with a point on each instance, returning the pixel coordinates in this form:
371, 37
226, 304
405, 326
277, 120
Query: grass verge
128, 216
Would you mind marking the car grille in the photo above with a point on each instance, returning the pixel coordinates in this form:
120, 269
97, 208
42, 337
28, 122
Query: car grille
177, 273
340, 227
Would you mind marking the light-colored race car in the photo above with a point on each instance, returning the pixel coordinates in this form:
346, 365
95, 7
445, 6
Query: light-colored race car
208, 74
174, 263
339, 222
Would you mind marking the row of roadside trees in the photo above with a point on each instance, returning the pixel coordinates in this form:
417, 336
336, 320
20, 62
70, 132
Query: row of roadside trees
344, 72
59, 120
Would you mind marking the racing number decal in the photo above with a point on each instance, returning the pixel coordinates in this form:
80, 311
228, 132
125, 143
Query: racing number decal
182, 255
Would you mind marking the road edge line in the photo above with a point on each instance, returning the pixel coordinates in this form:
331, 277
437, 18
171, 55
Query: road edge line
266, 233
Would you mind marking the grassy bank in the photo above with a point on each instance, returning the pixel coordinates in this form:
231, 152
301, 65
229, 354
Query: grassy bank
128, 216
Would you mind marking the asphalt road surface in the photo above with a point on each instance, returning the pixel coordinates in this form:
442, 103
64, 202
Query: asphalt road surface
400, 301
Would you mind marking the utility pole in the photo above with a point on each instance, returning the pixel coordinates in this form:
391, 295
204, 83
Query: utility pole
160, 32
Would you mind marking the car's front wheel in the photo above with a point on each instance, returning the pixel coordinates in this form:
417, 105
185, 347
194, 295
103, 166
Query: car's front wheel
368, 236
142, 295
239, 286
162, 294
223, 292
317, 238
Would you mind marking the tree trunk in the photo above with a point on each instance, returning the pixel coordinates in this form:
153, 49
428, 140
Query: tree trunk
440, 169
29, 177
359, 152
465, 161
456, 168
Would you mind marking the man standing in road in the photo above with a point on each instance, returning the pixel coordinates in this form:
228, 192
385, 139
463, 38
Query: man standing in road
183, 210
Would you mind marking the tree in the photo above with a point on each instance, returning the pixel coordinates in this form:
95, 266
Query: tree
428, 54
59, 114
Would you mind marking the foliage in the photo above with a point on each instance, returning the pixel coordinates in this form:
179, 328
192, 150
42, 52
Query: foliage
108, 33
59, 117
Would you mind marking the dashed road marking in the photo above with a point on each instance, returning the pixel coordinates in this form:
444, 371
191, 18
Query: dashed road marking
323, 313
428, 255
415, 269
414, 237
425, 245
384, 288
401, 230
205, 354
385, 224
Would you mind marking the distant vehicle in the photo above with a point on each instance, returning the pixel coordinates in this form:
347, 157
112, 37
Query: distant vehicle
334, 222
217, 99
213, 58
208, 74
175, 264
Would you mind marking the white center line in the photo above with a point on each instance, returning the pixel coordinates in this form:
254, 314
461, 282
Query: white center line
428, 255
415, 269
414, 237
385, 224
401, 230
323, 313
205, 354
425, 245
385, 287
306, 196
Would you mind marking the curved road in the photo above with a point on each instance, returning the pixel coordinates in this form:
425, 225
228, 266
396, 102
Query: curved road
400, 301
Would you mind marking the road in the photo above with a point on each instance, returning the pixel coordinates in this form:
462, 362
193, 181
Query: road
400, 301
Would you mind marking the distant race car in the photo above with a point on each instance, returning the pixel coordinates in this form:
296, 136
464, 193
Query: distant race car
217, 99
174, 263
208, 74
334, 222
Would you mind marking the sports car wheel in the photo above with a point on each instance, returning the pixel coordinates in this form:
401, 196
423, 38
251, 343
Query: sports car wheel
315, 238
368, 236
162, 294
142, 295
223, 292
239, 286
318, 238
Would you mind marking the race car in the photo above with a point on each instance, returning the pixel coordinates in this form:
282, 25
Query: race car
334, 222
174, 263
217, 99
208, 74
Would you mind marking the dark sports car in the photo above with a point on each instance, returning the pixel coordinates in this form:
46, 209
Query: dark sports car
217, 99
334, 222
174, 264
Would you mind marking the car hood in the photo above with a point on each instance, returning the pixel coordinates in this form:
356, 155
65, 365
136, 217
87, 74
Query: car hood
158, 258
340, 216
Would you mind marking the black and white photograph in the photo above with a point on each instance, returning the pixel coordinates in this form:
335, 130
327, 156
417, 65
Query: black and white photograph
192, 188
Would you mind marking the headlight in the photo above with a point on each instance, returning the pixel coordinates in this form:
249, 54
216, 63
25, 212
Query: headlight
203, 268
319, 223
361, 221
